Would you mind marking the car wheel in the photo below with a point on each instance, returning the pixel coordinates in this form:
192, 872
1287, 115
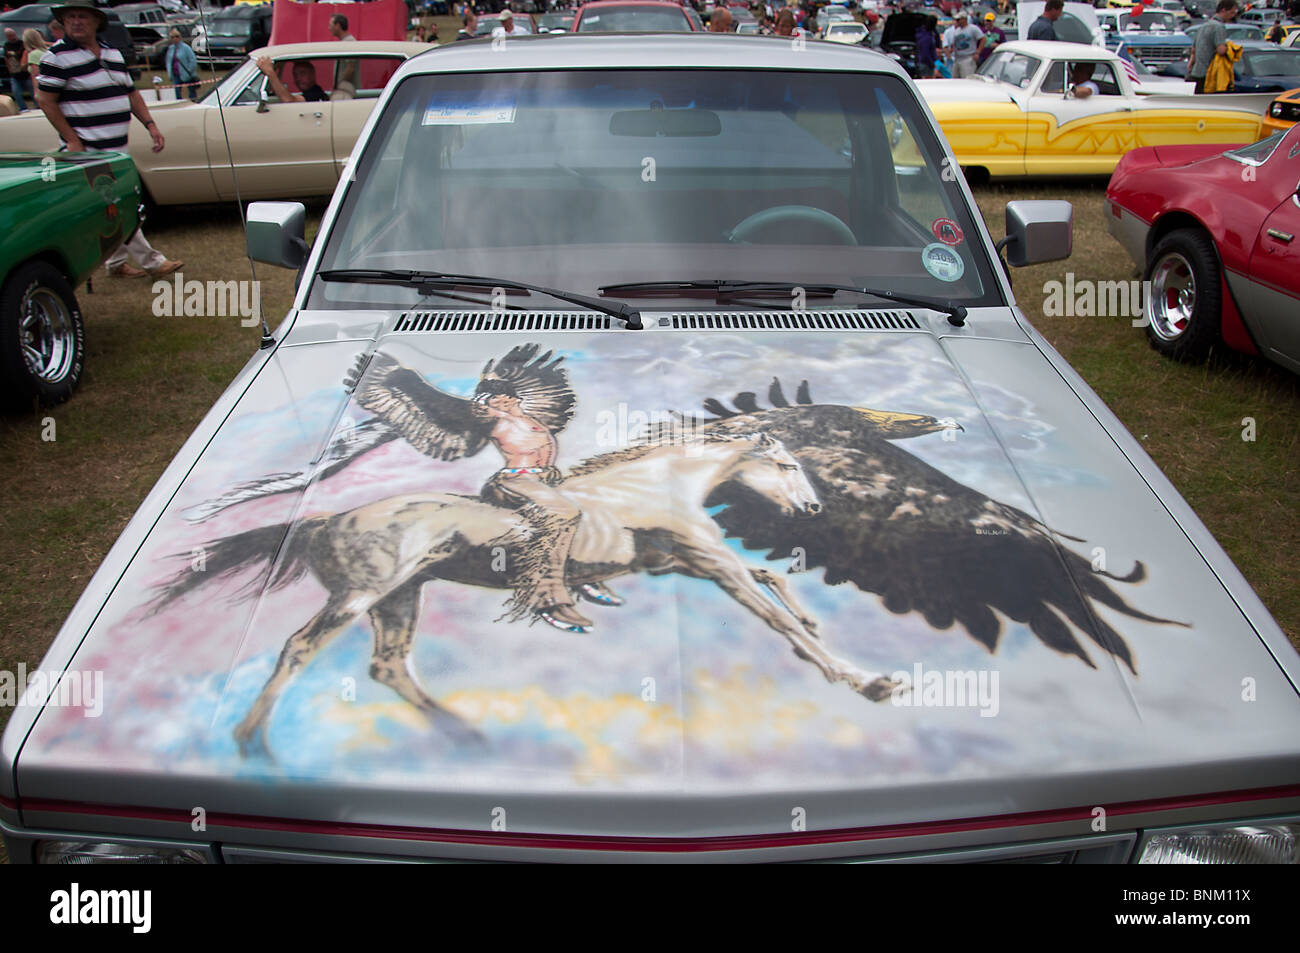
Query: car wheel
1184, 295
42, 337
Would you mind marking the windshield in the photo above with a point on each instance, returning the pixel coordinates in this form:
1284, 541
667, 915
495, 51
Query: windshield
1150, 21
632, 19
595, 177
1273, 62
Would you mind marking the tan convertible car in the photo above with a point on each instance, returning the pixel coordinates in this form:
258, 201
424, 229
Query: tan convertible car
279, 149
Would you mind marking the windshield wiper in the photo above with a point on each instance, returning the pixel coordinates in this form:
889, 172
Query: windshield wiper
722, 287
427, 282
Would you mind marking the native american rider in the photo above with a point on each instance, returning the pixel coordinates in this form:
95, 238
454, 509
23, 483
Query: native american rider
522, 401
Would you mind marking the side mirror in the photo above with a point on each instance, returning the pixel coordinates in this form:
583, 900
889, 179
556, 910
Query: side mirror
275, 233
1037, 231
263, 105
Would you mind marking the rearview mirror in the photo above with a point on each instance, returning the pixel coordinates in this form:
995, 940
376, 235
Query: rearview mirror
1038, 231
665, 122
275, 233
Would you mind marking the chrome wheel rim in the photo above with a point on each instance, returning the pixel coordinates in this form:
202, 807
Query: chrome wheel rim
1172, 299
46, 335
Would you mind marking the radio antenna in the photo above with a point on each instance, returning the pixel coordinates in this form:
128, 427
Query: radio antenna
267, 339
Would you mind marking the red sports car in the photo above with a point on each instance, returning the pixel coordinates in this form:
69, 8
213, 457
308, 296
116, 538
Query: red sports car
1215, 234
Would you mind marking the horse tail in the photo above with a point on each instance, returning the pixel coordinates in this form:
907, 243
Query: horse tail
285, 546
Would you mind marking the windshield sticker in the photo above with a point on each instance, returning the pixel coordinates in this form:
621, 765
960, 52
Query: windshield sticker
444, 111
942, 262
947, 231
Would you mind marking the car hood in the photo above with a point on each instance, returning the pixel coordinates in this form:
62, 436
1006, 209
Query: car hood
902, 26
963, 91
979, 534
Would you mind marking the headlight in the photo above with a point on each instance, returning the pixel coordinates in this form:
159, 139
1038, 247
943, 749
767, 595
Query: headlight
1276, 111
1264, 843
86, 852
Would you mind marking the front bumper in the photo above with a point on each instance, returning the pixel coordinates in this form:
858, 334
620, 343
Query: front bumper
1129, 230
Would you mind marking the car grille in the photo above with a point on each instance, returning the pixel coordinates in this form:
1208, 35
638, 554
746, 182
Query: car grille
435, 321
1160, 54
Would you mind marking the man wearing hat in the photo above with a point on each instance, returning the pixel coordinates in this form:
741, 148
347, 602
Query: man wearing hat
993, 35
507, 27
86, 93
963, 43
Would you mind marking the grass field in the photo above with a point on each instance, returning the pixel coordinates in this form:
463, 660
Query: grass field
150, 379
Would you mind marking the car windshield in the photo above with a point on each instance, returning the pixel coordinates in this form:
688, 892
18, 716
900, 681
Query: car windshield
634, 19
1007, 66
555, 21
580, 179
1152, 21
1273, 62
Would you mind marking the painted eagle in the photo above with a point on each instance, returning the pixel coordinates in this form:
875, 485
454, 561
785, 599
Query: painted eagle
895, 526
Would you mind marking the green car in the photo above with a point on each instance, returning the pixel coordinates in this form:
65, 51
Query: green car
61, 215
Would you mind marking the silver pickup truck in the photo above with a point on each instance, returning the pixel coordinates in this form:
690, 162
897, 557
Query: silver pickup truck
655, 465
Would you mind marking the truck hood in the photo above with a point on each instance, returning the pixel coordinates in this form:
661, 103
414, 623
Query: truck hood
963, 91
979, 534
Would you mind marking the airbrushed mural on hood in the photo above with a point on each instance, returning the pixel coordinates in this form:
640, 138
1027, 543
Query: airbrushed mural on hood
747, 497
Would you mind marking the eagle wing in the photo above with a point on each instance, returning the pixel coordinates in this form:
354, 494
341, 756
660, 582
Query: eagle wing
537, 380
895, 526
438, 425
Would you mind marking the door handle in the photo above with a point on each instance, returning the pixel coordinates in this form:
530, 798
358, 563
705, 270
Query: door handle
1284, 237
314, 115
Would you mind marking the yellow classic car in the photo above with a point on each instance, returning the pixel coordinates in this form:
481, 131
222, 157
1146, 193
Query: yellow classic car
1044, 108
278, 149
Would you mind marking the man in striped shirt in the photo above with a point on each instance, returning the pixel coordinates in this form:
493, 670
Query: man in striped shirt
87, 94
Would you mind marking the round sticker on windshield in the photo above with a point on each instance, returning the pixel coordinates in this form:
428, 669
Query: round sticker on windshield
942, 262
947, 231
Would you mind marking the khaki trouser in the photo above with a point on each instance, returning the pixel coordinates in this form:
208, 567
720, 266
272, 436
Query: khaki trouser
138, 247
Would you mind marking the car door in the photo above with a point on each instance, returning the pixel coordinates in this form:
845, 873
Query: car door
1275, 269
1072, 135
352, 107
279, 149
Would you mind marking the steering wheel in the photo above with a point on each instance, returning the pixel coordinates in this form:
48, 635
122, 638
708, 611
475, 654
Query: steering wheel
789, 216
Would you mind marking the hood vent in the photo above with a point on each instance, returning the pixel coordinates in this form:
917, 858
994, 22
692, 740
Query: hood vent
419, 321
810, 320
503, 321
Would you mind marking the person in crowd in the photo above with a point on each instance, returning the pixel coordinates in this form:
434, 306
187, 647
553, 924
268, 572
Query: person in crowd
339, 29
304, 77
182, 65
1211, 41
785, 22
86, 93
507, 27
1276, 34
20, 82
56, 30
1044, 28
36, 47
993, 36
720, 21
927, 48
469, 23
962, 43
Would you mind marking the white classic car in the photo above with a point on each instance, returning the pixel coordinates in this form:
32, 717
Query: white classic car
277, 149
